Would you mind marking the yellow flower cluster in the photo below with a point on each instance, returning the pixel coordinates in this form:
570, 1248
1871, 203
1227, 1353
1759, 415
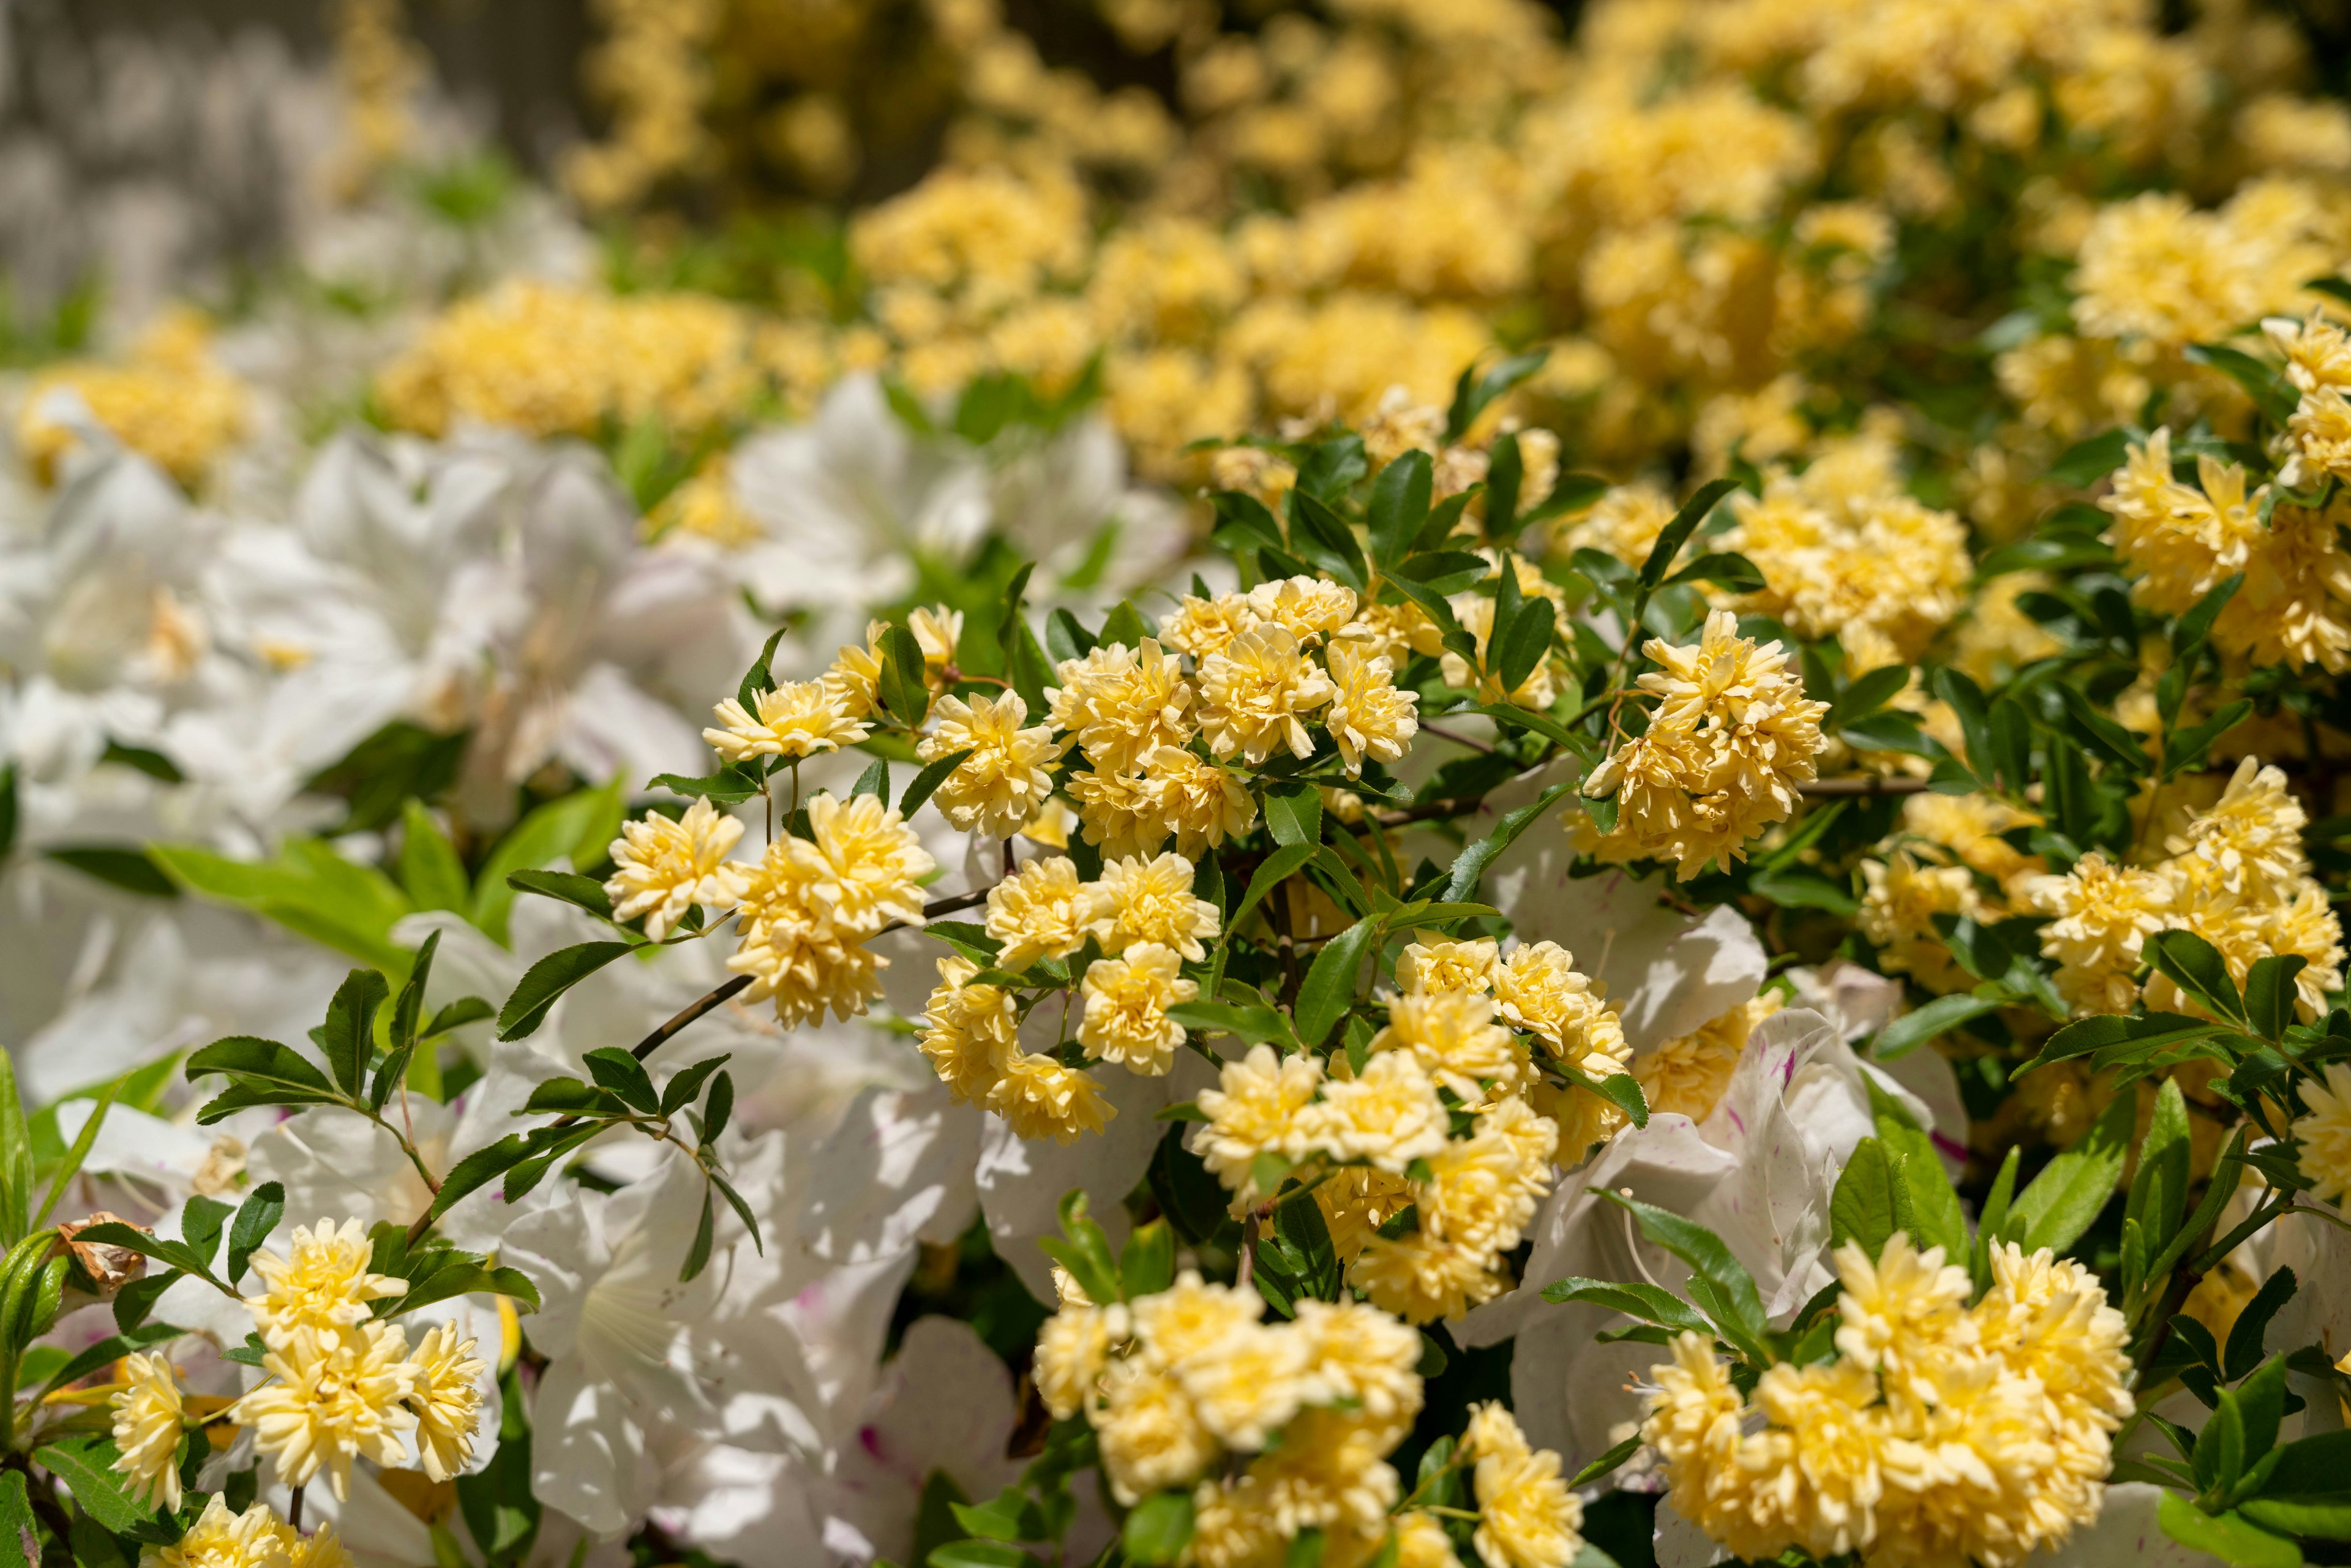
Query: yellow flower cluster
1382, 1135
169, 402
1182, 1386
554, 360
2233, 873
341, 1384
2318, 363
663, 866
1730, 739
651, 68
257, 1538
807, 908
1941, 1435
2181, 541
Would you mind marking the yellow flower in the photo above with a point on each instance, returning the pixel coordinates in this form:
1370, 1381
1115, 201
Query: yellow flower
1255, 1110
1202, 804
1539, 988
1369, 716
1326, 1474
970, 1031
797, 718
2104, 914
1189, 1317
1427, 966
331, 1401
1363, 1355
856, 673
1390, 1116
1126, 1003
1256, 694
1073, 1350
1527, 1516
1141, 900
1422, 1278
1454, 1036
1731, 737
1248, 1382
863, 866
219, 1539
792, 950
1121, 705
1898, 913
147, 1428
1150, 1434
1421, 1542
322, 1548
1120, 814
1687, 1074
1839, 1446
2049, 1317
1483, 1189
663, 867
1309, 609
323, 1286
1038, 911
1903, 1312
1039, 1098
446, 1380
2250, 841
2323, 1137
1204, 627
999, 787
936, 632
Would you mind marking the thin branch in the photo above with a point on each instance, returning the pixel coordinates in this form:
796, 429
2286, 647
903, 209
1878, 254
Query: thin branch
1455, 736
669, 1030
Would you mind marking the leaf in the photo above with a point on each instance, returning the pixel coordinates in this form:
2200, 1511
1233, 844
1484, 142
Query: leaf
2190, 629
1083, 1251
2262, 383
20, 1544
1645, 1301
1889, 731
1517, 651
1251, 1026
257, 1217
1122, 627
731, 783
1920, 1025
980, 1555
476, 1169
685, 1084
85, 1465
347, 1039
1161, 1525
1871, 1200
2231, 1537
265, 1061
2270, 993
127, 867
1294, 813
2117, 744
718, 1108
1269, 874
430, 868
1469, 867
697, 1254
625, 1076
544, 983
2086, 462
1399, 505
15, 1159
1474, 392
902, 685
1736, 1308
927, 781
1246, 518
2196, 966
456, 1015
1324, 539
2244, 1351
570, 887
2188, 747
1677, 533
1733, 572
1601, 1467
1147, 1265
2159, 1192
1993, 1217
1330, 987
2148, 1034
760, 677
1967, 701
2065, 1197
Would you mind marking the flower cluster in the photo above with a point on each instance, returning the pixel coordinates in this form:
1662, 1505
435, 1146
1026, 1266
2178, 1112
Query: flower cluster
808, 906
1937, 1433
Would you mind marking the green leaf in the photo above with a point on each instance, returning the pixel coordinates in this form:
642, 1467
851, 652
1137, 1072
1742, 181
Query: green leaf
257, 1217
1330, 987
348, 1039
1871, 1200
1887, 730
1244, 523
1993, 1219
761, 676
2269, 389
980, 1555
20, 1544
456, 1015
476, 1169
578, 827
1938, 1220
697, 1253
2220, 1456
129, 868
2065, 1197
2117, 744
1601, 1467
2147, 1034
1735, 1307
1474, 392
1161, 1525
116, 1233
621, 1073
1084, 1251
1733, 572
85, 1465
1514, 653
2196, 966
544, 983
1271, 873
202, 1220
687, 1082
2159, 1193
429, 867
15, 1159
1469, 867
2190, 631
2231, 1537
1677, 533
1967, 700
1147, 1265
1324, 539
903, 688
1294, 813
1251, 1026
1506, 472
934, 774
1399, 505
1645, 1301
2270, 993
264, 1061
569, 887
2187, 748
1920, 1025
2244, 1351
1124, 627
2087, 461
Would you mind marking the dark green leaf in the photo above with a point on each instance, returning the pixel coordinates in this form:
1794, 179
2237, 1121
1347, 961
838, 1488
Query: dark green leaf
1399, 505
902, 686
2159, 1193
1474, 392
685, 1085
927, 781
544, 983
85, 1465
348, 1039
1514, 653
1733, 572
1294, 813
1642, 1300
2065, 1197
1330, 987
2196, 966
718, 1108
1920, 1025
257, 1217
2231, 1537
129, 869
1160, 1527
1269, 874
2086, 462
2270, 993
1677, 533
1324, 539
1469, 867
697, 1254
624, 1075
1147, 1264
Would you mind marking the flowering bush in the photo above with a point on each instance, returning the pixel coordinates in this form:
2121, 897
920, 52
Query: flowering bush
1453, 793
